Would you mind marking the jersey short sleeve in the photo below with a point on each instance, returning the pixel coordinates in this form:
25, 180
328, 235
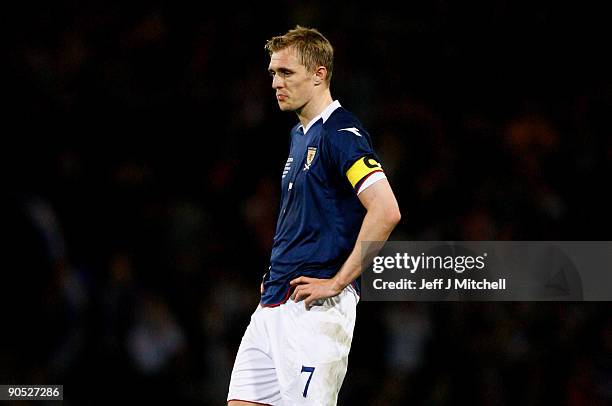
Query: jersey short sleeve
351, 154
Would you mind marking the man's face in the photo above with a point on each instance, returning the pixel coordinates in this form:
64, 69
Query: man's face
293, 83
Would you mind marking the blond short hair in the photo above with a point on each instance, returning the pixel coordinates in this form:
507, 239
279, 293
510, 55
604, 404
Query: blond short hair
313, 49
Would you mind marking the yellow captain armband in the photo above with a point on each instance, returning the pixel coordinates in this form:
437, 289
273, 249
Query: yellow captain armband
361, 169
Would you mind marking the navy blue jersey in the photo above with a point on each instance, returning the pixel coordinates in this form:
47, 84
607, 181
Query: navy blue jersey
320, 213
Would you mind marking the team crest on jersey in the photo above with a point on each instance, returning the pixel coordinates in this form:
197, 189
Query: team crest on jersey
310, 157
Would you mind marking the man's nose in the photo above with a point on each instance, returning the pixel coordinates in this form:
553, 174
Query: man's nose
277, 82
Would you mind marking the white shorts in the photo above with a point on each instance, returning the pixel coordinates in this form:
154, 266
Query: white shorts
293, 356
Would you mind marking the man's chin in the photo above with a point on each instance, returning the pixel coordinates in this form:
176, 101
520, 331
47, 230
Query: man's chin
284, 106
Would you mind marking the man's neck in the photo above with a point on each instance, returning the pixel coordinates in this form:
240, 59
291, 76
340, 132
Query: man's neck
314, 108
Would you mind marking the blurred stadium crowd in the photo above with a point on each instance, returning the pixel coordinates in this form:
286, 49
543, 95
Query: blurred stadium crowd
143, 156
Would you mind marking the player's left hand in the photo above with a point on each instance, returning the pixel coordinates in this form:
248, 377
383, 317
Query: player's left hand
312, 289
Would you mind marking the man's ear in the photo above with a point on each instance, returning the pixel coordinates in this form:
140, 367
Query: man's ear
320, 75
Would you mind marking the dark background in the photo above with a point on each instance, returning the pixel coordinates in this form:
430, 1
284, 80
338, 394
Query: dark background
142, 153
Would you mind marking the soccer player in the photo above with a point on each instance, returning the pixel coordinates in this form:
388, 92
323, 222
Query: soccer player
334, 195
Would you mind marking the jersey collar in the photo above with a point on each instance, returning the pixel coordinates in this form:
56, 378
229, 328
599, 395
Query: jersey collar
324, 115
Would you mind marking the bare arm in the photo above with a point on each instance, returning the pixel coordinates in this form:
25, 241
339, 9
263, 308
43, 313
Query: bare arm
382, 216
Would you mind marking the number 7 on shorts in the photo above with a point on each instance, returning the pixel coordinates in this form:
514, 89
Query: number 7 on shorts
311, 370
